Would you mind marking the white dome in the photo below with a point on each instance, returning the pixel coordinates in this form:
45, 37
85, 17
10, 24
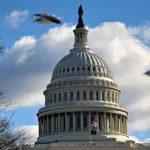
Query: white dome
82, 63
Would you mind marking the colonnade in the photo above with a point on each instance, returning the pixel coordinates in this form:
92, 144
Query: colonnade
81, 121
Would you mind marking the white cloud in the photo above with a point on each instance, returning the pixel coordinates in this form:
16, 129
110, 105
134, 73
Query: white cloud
134, 138
31, 132
15, 18
27, 67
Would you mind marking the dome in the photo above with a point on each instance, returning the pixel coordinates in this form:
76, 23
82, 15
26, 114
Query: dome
82, 63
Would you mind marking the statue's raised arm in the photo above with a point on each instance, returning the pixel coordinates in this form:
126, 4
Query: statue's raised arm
80, 11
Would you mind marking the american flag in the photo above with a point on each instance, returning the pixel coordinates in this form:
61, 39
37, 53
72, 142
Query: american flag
94, 124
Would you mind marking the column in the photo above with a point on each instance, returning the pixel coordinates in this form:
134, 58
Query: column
74, 122
47, 124
111, 123
105, 122
102, 122
123, 124
81, 120
58, 122
100, 95
68, 120
97, 119
62, 123
89, 124
87, 95
116, 123
42, 126
126, 125
74, 95
39, 125
56, 118
110, 96
66, 123
81, 95
68, 95
52, 124
120, 123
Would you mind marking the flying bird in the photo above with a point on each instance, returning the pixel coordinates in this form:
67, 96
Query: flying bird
147, 73
45, 18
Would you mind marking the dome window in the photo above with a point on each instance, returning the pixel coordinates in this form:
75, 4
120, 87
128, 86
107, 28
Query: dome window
64, 70
55, 98
83, 68
93, 68
68, 69
97, 95
71, 96
78, 69
65, 96
103, 95
91, 95
88, 68
78, 95
73, 69
84, 95
59, 97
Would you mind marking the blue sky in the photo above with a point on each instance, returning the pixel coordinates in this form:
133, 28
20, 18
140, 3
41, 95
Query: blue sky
133, 14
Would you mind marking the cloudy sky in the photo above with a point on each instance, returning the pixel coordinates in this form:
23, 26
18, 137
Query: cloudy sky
119, 32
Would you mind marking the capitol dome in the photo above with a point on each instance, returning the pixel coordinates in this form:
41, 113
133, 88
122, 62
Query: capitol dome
82, 90
82, 63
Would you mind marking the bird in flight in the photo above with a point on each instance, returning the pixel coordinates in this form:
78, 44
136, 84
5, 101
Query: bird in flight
45, 18
147, 73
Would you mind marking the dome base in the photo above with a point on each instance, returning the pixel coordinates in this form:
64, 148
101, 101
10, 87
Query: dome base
77, 137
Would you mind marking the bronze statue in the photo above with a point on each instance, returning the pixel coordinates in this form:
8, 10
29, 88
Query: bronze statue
80, 20
80, 11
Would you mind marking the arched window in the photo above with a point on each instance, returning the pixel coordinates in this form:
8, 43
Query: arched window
68, 69
71, 96
84, 95
78, 95
64, 70
97, 95
88, 68
91, 95
78, 69
83, 68
59, 97
73, 69
55, 98
103, 95
65, 96
60, 71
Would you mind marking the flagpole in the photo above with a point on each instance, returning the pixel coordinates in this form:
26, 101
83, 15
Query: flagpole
90, 135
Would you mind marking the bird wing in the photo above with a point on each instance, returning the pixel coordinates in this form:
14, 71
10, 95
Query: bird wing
41, 14
147, 73
52, 18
